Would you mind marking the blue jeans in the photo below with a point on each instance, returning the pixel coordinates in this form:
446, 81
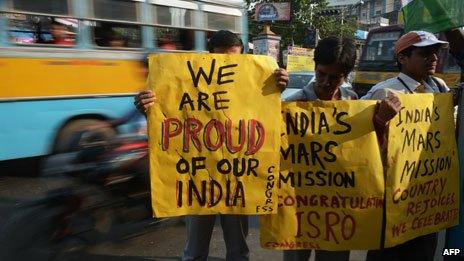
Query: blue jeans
200, 229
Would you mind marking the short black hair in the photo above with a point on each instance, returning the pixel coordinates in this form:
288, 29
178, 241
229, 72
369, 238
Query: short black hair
406, 52
336, 50
224, 38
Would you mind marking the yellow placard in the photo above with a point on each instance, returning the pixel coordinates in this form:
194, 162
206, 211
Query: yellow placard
213, 134
300, 63
422, 194
331, 183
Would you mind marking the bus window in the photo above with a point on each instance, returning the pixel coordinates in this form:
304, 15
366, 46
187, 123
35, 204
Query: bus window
115, 10
23, 29
33, 29
174, 16
381, 46
117, 35
217, 21
222, 18
175, 39
57, 7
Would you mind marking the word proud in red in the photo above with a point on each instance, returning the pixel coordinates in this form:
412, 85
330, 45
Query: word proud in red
214, 135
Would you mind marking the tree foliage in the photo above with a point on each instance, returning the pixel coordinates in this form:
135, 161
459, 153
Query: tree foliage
306, 14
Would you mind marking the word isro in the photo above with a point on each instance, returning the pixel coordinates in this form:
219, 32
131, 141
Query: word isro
345, 226
215, 134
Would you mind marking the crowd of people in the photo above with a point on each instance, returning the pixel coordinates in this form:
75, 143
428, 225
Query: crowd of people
417, 56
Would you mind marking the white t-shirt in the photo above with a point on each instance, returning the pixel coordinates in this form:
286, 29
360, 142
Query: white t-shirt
380, 91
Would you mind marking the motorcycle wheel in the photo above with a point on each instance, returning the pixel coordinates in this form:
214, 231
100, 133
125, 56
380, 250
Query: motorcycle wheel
63, 141
28, 234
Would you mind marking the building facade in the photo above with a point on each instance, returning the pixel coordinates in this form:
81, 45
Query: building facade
369, 13
373, 13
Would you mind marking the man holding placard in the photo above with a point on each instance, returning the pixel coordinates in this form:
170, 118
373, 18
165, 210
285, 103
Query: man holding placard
417, 56
199, 228
334, 58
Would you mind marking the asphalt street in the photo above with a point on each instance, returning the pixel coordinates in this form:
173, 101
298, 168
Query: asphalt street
161, 241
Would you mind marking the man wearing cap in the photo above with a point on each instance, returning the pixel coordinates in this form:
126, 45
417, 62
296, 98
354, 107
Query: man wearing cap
417, 57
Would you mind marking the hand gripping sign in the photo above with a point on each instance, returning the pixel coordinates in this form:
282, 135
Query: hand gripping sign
214, 134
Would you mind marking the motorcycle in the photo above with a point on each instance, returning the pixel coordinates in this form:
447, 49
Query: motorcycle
108, 199
116, 170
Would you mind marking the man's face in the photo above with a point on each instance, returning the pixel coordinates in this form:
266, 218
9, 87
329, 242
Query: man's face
422, 62
329, 77
228, 50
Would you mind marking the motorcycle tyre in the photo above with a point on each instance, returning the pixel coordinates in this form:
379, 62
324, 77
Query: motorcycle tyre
28, 235
63, 142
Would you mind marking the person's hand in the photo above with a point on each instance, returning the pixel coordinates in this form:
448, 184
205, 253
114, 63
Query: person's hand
281, 78
387, 110
144, 100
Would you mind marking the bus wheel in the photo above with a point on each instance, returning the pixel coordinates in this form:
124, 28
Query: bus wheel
63, 142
